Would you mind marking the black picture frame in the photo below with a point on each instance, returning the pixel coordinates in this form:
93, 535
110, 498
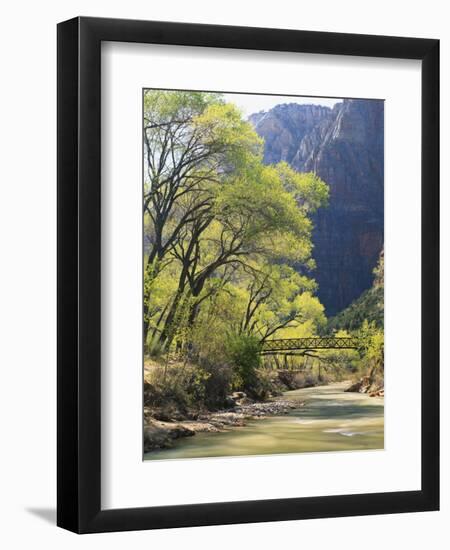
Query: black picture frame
79, 281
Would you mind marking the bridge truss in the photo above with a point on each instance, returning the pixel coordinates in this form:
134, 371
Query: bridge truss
292, 345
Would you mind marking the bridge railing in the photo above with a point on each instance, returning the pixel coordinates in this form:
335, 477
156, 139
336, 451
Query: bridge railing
313, 343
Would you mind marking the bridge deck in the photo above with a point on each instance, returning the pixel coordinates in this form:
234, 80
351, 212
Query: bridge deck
314, 343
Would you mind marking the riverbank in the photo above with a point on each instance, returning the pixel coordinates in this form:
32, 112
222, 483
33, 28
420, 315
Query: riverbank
176, 405
370, 387
330, 419
159, 434
170, 413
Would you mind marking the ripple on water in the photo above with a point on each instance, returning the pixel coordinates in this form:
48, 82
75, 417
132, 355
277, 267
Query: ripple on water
331, 420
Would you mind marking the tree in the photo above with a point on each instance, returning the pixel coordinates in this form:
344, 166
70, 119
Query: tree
279, 298
191, 141
257, 215
218, 221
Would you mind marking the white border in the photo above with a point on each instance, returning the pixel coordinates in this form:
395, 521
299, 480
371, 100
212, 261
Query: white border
127, 481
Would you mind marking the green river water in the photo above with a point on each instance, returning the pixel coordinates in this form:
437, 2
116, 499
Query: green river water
330, 420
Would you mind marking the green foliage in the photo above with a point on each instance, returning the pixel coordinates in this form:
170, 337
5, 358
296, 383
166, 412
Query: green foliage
243, 351
176, 387
308, 190
368, 307
342, 362
222, 234
219, 385
373, 342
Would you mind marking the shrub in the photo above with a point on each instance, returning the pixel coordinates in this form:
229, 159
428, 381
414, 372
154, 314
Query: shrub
218, 385
266, 385
176, 388
243, 352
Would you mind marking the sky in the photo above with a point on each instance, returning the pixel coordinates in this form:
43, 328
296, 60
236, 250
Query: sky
251, 103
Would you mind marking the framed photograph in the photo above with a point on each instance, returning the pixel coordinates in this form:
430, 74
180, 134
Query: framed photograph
248, 255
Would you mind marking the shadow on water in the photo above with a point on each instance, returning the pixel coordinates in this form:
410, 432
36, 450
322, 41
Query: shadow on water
337, 410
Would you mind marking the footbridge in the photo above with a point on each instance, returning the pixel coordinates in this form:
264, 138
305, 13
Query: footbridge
288, 345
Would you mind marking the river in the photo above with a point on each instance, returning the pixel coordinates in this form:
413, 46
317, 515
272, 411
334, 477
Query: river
330, 420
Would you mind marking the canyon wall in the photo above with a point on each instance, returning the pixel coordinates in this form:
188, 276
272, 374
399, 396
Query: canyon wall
344, 146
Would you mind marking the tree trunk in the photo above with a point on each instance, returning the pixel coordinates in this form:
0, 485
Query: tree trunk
151, 270
167, 333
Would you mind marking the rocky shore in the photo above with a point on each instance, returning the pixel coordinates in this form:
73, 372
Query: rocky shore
162, 427
160, 434
365, 385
